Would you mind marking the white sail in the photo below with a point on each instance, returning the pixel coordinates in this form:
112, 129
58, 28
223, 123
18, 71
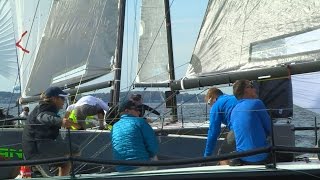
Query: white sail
251, 35
8, 55
69, 41
306, 92
241, 37
153, 46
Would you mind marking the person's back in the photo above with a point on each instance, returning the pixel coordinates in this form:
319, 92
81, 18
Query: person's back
224, 108
132, 136
133, 139
251, 122
89, 106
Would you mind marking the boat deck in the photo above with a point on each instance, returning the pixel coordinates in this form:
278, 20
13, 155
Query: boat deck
293, 170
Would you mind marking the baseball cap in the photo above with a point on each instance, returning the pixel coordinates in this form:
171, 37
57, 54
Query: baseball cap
54, 92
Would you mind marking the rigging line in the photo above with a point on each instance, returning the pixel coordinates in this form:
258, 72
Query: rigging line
151, 46
202, 24
127, 58
93, 136
91, 47
134, 39
17, 61
33, 52
12, 28
11, 96
177, 106
103, 148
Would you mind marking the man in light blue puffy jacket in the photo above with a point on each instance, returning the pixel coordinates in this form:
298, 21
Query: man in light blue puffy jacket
133, 138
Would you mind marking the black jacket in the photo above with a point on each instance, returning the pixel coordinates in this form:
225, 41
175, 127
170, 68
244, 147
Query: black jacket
42, 123
142, 108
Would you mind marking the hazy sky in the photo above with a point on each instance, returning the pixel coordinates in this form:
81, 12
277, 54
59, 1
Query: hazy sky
186, 16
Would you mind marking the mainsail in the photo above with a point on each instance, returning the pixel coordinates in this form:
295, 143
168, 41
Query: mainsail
153, 45
252, 35
70, 41
259, 40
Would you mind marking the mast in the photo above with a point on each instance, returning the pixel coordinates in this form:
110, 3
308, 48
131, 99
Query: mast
171, 64
115, 92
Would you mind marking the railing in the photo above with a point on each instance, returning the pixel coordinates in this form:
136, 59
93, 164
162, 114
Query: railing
271, 149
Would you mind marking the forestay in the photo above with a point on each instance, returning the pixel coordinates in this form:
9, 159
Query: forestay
153, 45
69, 41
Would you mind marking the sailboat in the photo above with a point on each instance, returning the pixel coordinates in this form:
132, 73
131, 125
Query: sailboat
228, 33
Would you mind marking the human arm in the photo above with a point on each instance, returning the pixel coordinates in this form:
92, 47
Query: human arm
214, 130
150, 109
49, 118
264, 117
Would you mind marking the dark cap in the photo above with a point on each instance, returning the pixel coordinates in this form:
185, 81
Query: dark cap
127, 104
54, 92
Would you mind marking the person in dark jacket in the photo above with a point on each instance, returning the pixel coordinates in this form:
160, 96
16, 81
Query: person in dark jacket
138, 100
133, 138
40, 134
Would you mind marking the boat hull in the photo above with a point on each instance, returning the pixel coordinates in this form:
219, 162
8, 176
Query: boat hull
97, 144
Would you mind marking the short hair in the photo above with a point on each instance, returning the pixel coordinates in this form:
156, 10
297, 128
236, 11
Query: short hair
136, 97
213, 92
26, 109
45, 98
238, 88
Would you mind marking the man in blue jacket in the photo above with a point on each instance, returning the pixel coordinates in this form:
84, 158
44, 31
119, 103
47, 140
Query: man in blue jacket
133, 138
251, 122
222, 106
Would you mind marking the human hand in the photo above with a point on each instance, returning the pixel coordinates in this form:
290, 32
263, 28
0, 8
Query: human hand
66, 123
149, 120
